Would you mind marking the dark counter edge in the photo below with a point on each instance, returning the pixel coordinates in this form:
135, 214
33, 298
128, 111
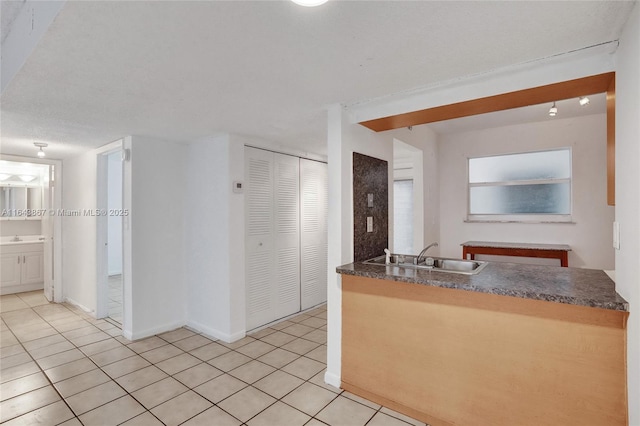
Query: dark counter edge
616, 306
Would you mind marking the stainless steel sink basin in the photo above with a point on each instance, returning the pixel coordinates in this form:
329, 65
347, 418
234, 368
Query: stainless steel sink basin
456, 266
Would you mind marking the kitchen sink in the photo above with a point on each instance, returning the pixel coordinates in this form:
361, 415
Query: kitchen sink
439, 264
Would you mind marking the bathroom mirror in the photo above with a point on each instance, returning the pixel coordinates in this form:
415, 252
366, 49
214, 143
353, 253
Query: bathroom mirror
20, 202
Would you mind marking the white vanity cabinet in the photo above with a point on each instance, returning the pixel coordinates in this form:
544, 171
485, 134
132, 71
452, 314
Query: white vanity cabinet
22, 267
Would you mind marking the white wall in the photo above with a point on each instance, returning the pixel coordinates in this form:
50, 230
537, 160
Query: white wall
628, 196
10, 228
590, 237
79, 261
215, 237
114, 225
157, 291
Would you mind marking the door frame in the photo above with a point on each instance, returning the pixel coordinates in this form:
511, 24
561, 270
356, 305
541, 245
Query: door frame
53, 263
102, 252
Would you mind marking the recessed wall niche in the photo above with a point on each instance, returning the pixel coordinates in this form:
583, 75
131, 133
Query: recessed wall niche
370, 204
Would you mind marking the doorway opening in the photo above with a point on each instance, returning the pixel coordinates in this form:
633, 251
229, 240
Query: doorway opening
408, 209
110, 243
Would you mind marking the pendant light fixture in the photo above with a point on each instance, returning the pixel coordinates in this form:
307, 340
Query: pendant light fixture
584, 101
553, 110
41, 145
309, 3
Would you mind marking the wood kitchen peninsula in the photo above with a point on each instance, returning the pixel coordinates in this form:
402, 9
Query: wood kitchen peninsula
513, 345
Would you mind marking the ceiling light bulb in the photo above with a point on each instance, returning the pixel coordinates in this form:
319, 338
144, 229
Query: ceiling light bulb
41, 145
4, 176
584, 101
309, 3
41, 153
553, 110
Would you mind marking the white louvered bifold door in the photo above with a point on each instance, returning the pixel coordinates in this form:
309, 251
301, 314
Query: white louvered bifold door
313, 232
259, 237
287, 234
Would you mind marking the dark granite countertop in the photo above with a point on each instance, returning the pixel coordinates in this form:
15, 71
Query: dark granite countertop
574, 286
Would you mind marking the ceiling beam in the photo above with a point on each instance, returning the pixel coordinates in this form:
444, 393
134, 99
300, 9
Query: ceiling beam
521, 98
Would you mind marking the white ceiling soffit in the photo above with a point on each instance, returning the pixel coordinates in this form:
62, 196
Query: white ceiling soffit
184, 70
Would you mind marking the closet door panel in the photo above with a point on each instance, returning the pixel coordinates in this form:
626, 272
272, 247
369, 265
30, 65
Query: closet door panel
259, 237
314, 211
287, 234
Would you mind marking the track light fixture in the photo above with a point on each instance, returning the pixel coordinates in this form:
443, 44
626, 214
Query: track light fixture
553, 110
583, 101
41, 145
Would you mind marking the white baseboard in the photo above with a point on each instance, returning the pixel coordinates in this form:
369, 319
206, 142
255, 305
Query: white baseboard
332, 379
153, 331
217, 334
78, 305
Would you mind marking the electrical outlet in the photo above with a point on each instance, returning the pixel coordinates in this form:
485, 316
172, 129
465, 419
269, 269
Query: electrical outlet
369, 223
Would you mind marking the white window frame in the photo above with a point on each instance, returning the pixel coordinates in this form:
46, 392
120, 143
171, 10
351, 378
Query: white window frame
522, 218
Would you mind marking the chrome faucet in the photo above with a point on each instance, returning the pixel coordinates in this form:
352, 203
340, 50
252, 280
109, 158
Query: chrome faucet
424, 250
16, 238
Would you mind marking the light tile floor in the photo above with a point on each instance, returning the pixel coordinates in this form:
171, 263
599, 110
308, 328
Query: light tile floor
60, 366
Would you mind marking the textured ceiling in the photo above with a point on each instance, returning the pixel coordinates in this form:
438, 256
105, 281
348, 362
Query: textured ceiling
183, 70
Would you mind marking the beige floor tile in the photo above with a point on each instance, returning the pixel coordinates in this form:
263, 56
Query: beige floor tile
361, 400
91, 398
381, 419
101, 346
345, 411
282, 324
6, 351
299, 318
197, 375
178, 334
246, 403
144, 419
161, 353
81, 382
209, 351
113, 413
252, 371
11, 304
147, 344
238, 343
300, 346
89, 338
314, 322
79, 332
229, 361
52, 414
318, 336
262, 333
255, 349
304, 368
73, 422
192, 342
7, 339
125, 366
71, 369
71, 325
60, 359
138, 379
159, 392
14, 360
213, 416
18, 371
178, 363
113, 355
278, 384
34, 335
181, 408
322, 316
49, 350
26, 402
221, 387
309, 398
278, 358
318, 354
22, 385
279, 414
314, 422
401, 416
298, 330
278, 338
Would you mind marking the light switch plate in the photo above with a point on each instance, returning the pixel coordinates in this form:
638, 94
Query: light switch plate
369, 223
369, 200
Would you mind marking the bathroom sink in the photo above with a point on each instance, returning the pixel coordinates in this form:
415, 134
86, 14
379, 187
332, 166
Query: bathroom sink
456, 266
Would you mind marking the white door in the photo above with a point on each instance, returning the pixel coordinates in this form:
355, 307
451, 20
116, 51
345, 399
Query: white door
272, 237
48, 192
32, 268
313, 232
